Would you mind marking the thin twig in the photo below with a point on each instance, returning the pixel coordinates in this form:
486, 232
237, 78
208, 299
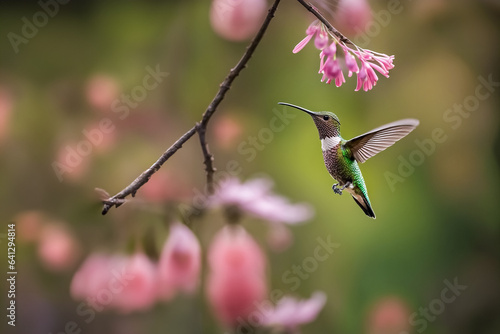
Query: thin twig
208, 158
142, 179
320, 17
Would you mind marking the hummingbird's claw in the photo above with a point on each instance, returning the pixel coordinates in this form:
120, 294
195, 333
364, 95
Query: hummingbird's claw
339, 190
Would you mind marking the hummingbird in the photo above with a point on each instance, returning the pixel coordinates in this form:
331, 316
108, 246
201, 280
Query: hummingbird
342, 156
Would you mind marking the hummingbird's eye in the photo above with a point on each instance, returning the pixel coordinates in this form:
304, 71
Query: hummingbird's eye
326, 117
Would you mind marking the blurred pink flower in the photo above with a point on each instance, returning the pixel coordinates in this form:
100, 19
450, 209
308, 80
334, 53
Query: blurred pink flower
227, 130
165, 186
352, 16
180, 262
102, 90
255, 198
236, 282
330, 65
116, 281
71, 164
290, 313
28, 225
237, 20
389, 315
140, 291
58, 250
92, 276
6, 104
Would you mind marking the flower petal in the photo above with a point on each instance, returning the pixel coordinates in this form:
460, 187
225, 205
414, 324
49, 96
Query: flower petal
302, 43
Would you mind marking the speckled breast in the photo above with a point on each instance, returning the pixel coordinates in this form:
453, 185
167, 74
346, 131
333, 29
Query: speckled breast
333, 163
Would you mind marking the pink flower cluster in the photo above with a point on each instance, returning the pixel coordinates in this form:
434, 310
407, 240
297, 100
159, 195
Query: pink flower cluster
236, 284
133, 283
331, 67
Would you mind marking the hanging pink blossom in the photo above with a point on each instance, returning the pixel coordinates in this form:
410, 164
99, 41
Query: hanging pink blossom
116, 282
180, 262
139, 292
331, 66
236, 282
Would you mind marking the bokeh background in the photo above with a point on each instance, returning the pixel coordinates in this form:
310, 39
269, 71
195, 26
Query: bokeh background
438, 222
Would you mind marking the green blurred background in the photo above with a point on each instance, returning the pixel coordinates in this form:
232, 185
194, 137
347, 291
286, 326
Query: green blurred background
438, 222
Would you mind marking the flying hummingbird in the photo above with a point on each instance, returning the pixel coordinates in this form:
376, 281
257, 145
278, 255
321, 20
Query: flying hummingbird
342, 156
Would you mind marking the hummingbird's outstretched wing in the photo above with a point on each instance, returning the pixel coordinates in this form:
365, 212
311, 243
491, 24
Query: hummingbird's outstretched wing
369, 144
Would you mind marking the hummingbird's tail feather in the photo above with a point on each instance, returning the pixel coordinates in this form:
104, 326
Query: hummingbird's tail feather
364, 204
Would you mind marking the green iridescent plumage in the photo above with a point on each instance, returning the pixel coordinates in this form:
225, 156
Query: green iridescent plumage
342, 156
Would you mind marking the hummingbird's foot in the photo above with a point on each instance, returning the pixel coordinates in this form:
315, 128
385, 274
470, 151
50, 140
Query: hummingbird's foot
339, 190
336, 190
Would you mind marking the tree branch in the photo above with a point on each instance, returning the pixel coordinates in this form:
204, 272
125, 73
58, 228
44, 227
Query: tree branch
209, 158
320, 17
200, 127
142, 179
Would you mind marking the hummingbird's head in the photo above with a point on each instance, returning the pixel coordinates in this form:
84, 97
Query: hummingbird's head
328, 123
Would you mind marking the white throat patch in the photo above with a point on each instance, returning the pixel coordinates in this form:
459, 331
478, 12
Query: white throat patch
328, 143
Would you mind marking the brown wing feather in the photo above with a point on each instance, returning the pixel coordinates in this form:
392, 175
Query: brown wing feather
369, 144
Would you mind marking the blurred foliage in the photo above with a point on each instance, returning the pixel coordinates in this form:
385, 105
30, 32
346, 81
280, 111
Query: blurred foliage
440, 223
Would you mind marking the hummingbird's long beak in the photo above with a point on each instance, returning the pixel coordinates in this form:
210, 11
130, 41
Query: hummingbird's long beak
300, 108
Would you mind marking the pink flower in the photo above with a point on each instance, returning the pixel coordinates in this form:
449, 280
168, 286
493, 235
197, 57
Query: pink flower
140, 290
227, 131
255, 198
310, 32
123, 283
331, 66
237, 20
102, 90
180, 262
290, 313
29, 224
58, 250
389, 315
236, 282
91, 277
353, 15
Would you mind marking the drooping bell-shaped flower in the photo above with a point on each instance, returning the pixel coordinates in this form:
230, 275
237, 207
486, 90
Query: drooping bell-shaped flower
236, 282
180, 262
140, 290
90, 277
